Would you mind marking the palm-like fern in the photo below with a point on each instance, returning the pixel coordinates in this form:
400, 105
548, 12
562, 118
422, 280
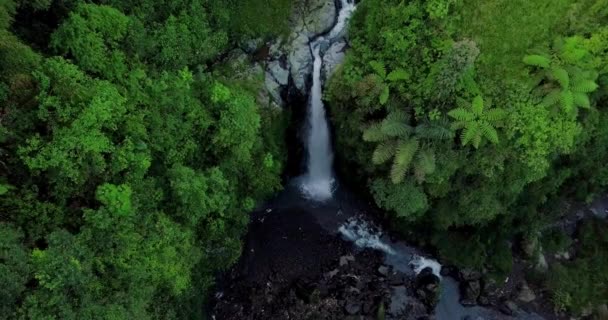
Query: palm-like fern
569, 87
399, 141
393, 76
477, 122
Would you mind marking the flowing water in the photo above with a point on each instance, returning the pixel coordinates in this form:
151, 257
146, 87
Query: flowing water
318, 182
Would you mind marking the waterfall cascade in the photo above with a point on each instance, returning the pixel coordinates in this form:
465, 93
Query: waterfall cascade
318, 182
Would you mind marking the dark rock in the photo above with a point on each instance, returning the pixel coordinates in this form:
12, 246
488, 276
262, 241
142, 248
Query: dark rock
483, 300
470, 291
352, 307
526, 294
383, 270
397, 278
469, 275
427, 288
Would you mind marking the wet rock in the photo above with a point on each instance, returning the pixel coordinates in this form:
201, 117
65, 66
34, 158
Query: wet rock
278, 72
274, 89
526, 294
467, 274
470, 292
300, 61
508, 307
352, 307
397, 278
530, 245
602, 311
427, 287
334, 56
315, 16
344, 260
383, 270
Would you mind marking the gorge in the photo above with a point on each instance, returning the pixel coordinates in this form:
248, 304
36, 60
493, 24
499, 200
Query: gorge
303, 244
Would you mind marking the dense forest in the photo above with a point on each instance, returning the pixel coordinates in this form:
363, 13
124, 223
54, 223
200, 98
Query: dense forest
131, 151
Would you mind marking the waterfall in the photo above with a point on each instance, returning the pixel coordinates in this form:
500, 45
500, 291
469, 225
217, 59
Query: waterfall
318, 182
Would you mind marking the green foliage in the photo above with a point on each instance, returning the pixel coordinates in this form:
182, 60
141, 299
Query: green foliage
125, 177
407, 200
476, 123
556, 241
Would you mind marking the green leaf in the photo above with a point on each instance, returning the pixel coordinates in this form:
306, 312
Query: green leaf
461, 114
561, 76
403, 158
567, 100
489, 132
495, 114
383, 152
469, 132
552, 98
378, 69
4, 188
581, 100
398, 75
537, 61
374, 133
384, 95
584, 86
477, 105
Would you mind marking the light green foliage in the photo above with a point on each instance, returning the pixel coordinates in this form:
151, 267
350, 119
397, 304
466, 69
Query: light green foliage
384, 79
476, 123
82, 114
92, 35
569, 86
125, 177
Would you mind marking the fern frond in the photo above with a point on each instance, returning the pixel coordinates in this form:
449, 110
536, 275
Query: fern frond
537, 61
561, 76
488, 132
477, 105
434, 131
373, 133
461, 114
398, 75
458, 125
567, 100
403, 158
477, 141
397, 116
426, 161
495, 114
552, 98
396, 129
384, 151
424, 165
378, 68
581, 100
469, 132
384, 94
584, 86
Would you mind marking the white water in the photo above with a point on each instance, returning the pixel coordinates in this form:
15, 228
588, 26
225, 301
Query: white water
359, 232
318, 182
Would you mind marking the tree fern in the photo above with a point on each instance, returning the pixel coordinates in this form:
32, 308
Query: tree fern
537, 61
397, 75
378, 68
477, 122
570, 85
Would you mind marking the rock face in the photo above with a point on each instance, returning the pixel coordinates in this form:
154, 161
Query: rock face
289, 62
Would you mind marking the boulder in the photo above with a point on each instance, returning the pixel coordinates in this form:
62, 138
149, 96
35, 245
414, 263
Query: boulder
278, 72
383, 270
274, 89
470, 292
334, 56
525, 294
352, 307
300, 61
467, 274
314, 16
